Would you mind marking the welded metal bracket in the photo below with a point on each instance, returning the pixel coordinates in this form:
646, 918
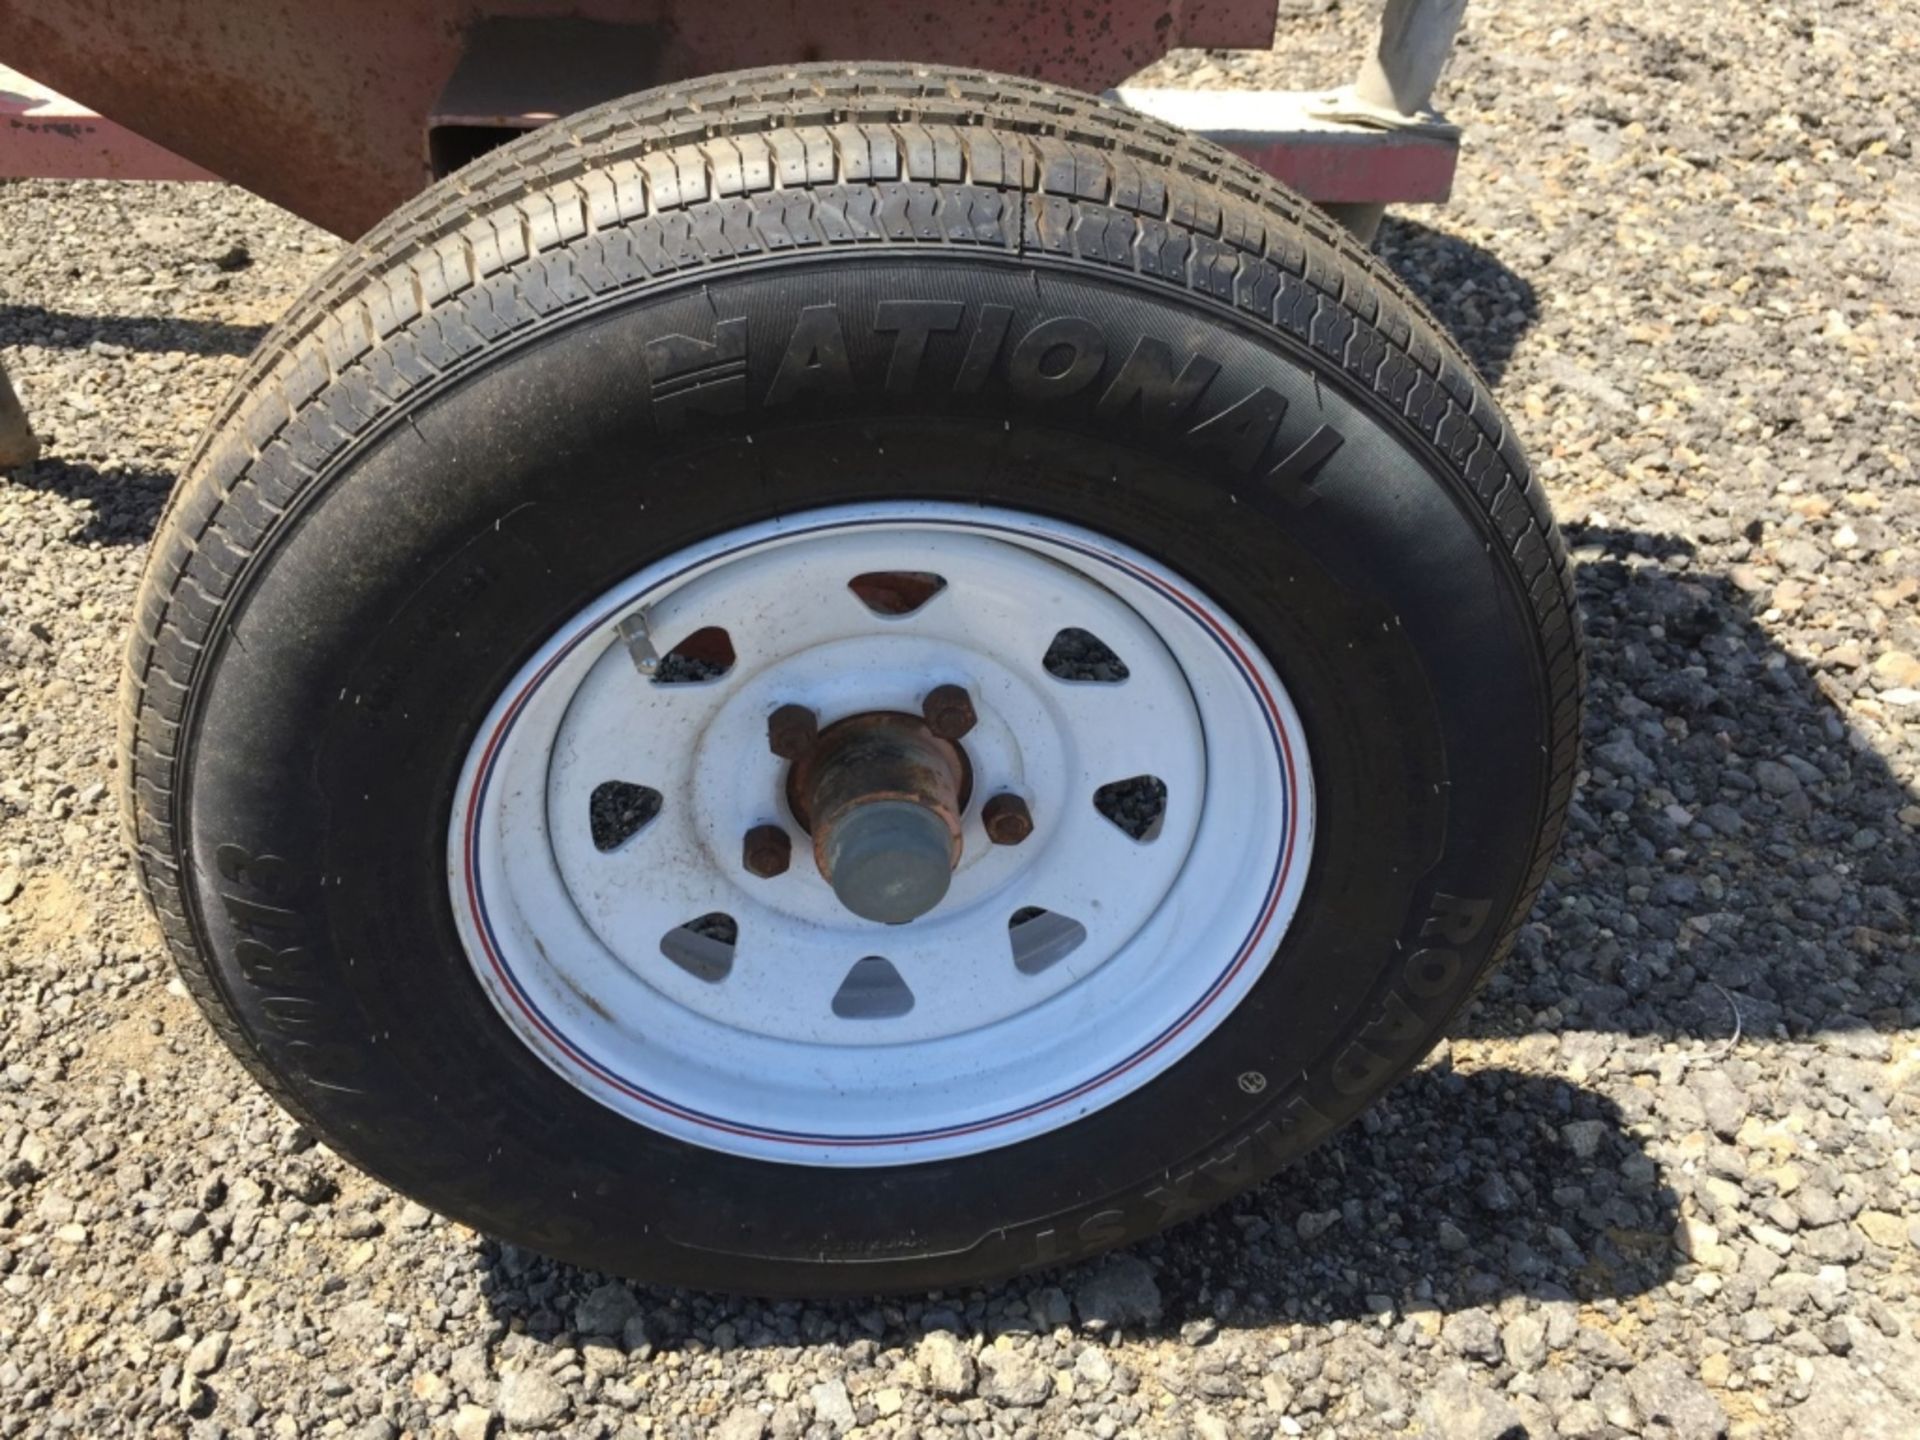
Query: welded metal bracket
1352, 150
1395, 82
515, 75
1346, 107
1331, 159
637, 636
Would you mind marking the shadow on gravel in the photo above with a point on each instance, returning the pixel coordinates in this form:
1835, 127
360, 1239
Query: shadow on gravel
1459, 1188
37, 325
1736, 860
1484, 306
125, 502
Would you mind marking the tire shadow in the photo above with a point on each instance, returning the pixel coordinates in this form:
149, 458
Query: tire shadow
1461, 1187
1735, 859
1485, 306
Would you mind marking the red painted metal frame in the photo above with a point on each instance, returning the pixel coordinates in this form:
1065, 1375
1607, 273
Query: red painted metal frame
517, 75
321, 105
1376, 169
1296, 137
47, 136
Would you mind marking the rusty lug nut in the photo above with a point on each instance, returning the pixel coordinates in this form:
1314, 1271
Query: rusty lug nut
1007, 819
791, 731
767, 851
948, 711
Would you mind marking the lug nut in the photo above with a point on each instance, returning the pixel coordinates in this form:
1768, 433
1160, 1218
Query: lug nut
1007, 819
767, 851
791, 731
948, 711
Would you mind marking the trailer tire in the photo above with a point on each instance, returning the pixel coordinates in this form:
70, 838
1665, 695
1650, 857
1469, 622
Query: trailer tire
811, 307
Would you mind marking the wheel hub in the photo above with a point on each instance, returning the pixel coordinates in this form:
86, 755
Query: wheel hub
882, 796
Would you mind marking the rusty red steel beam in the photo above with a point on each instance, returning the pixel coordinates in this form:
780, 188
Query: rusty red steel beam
322, 105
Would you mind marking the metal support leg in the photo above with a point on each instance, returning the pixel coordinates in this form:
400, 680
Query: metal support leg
18, 445
1416, 36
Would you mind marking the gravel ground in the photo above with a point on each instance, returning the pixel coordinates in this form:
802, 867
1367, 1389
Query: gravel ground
1660, 1184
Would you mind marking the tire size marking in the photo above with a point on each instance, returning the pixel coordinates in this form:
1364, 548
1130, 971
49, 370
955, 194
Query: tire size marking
1054, 359
1427, 978
273, 956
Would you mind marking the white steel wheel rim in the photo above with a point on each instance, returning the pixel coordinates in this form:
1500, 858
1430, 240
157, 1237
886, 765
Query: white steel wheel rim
996, 1039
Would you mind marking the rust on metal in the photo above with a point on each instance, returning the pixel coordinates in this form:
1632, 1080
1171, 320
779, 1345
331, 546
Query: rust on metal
1374, 168
766, 851
1316, 141
1007, 819
791, 731
896, 592
948, 711
877, 756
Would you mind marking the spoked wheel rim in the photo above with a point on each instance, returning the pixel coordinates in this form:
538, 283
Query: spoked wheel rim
607, 889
